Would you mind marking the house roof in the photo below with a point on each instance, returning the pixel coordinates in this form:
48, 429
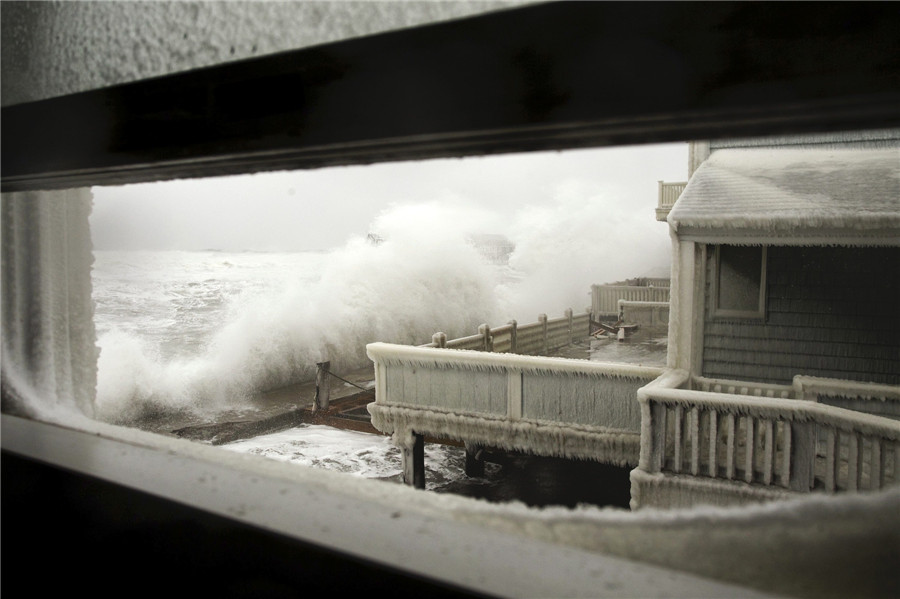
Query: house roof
792, 197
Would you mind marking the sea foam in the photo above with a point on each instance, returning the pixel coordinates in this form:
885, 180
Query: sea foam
233, 325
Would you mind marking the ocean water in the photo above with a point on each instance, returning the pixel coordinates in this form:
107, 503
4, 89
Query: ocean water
202, 331
358, 454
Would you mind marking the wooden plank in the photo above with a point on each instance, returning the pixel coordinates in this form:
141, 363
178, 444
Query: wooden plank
768, 453
679, 425
658, 430
830, 450
730, 453
896, 470
695, 441
803, 446
514, 395
713, 443
749, 447
875, 465
853, 470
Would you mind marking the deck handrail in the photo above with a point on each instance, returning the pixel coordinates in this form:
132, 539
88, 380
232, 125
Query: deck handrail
872, 398
546, 405
750, 388
797, 445
534, 338
605, 298
669, 193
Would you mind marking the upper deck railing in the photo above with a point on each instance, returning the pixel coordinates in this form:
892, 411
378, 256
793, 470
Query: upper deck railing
668, 195
605, 298
539, 337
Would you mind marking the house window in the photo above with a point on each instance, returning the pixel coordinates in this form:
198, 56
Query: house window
740, 282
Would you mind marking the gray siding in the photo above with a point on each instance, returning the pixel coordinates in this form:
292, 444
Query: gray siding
830, 312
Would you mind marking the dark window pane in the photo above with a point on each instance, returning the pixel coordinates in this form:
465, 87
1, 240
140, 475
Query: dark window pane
740, 274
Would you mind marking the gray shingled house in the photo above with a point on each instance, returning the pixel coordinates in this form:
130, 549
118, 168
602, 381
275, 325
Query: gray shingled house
784, 341
789, 261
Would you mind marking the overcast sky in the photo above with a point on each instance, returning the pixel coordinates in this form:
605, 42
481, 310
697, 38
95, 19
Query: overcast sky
321, 209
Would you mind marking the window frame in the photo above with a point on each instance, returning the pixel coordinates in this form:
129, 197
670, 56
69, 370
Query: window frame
712, 99
534, 78
731, 314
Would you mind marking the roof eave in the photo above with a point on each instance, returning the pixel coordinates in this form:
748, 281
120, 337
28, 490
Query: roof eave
819, 236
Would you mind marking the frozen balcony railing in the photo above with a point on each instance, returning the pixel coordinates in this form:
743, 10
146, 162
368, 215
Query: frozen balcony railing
539, 337
605, 298
668, 195
766, 436
542, 405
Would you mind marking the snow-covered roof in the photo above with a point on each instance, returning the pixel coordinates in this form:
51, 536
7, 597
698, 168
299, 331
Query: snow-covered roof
792, 197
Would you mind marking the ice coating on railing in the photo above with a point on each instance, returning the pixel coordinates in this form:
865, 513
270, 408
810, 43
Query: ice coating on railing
544, 405
773, 443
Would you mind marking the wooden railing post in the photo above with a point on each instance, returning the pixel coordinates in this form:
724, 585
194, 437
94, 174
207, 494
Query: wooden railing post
658, 431
323, 386
513, 331
439, 339
571, 322
485, 331
474, 460
542, 319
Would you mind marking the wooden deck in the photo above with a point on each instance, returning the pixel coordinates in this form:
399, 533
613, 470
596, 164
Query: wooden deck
284, 408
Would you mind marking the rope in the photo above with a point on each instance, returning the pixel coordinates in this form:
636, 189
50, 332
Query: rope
346, 381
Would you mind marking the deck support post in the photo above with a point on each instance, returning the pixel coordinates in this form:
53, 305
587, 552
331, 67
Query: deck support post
412, 459
474, 460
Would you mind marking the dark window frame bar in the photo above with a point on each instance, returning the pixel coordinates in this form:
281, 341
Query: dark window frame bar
543, 77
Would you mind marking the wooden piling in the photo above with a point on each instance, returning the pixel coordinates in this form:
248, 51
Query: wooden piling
412, 460
323, 386
474, 460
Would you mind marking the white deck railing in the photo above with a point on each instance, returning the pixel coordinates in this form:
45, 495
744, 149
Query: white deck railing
749, 388
870, 398
880, 400
605, 298
767, 440
545, 405
652, 314
668, 195
539, 337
